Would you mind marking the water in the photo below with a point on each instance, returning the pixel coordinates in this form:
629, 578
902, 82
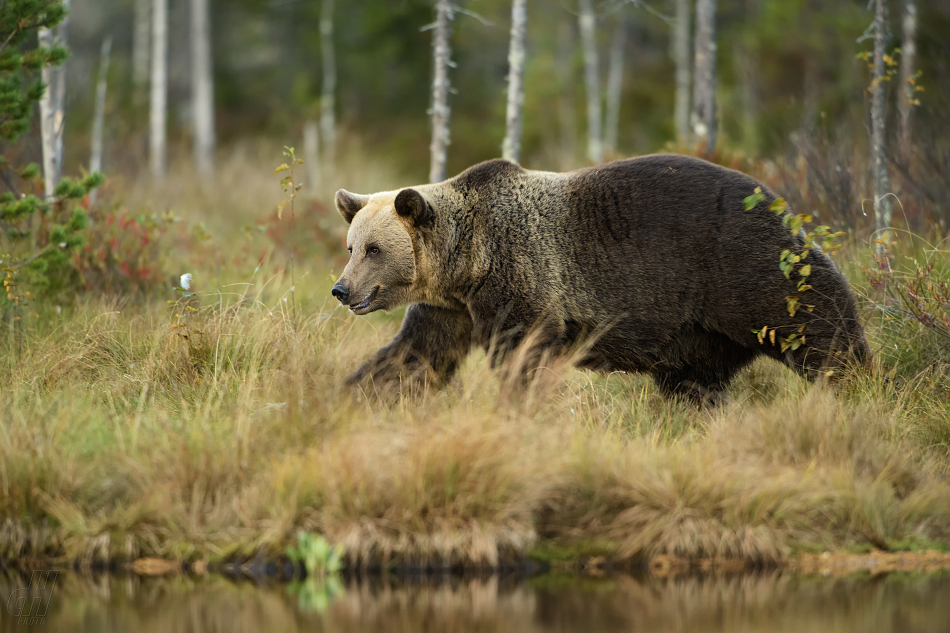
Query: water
774, 603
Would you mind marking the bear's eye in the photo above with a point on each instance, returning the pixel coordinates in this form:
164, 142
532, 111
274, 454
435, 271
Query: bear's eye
372, 250
349, 249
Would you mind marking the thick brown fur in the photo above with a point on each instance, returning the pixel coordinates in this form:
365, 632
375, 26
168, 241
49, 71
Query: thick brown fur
653, 262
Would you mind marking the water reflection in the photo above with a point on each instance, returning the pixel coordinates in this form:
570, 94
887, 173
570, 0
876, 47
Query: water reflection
773, 603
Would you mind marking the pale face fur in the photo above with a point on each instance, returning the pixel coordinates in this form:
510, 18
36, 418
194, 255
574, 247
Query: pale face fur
382, 268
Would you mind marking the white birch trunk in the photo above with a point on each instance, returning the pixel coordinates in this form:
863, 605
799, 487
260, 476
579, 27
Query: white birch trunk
906, 96
511, 148
99, 117
440, 91
704, 86
328, 89
595, 142
202, 87
140, 43
158, 115
882, 207
681, 51
311, 154
52, 109
614, 88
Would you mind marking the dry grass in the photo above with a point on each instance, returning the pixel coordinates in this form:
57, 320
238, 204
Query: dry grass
121, 439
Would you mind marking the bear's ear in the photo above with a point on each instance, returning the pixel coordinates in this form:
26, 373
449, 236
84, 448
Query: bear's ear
348, 204
410, 203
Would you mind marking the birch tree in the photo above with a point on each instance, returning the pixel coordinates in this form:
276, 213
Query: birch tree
511, 148
99, 116
704, 85
158, 115
328, 88
907, 96
595, 141
882, 207
681, 51
202, 87
614, 87
52, 107
440, 90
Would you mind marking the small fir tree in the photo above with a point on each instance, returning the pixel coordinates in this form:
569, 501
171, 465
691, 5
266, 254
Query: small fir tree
36, 234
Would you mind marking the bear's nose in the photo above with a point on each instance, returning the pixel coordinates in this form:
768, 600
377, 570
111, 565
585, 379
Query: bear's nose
341, 292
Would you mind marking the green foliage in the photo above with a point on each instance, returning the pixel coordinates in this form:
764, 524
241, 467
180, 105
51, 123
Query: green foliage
820, 237
19, 22
319, 558
36, 235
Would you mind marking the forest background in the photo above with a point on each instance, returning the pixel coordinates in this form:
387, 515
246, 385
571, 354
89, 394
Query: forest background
787, 72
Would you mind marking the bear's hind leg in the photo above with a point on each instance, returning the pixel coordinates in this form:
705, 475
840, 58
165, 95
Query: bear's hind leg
703, 380
679, 385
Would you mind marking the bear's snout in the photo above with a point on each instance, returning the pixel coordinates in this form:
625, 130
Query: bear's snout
341, 292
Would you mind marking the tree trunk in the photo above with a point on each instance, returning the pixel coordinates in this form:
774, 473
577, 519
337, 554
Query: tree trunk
328, 89
511, 148
882, 207
440, 91
595, 142
614, 87
681, 52
202, 87
140, 42
52, 109
99, 117
704, 86
311, 154
907, 97
159, 93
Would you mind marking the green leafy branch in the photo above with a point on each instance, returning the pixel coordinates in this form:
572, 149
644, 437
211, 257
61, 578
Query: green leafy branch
821, 237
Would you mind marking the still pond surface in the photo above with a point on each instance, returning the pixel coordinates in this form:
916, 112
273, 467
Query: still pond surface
770, 603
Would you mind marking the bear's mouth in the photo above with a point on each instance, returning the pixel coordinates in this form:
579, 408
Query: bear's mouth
362, 306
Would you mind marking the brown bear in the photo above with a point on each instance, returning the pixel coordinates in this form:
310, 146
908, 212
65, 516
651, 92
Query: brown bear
652, 264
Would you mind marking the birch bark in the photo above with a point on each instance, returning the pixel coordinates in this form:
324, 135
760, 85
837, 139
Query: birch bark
440, 91
704, 86
158, 115
99, 116
882, 207
681, 50
202, 87
511, 148
595, 140
52, 108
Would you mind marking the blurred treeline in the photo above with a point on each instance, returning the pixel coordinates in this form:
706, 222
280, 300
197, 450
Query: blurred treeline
786, 68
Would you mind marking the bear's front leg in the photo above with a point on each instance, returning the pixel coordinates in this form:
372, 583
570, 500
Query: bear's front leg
519, 339
431, 344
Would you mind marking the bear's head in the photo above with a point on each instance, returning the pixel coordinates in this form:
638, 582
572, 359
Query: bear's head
382, 271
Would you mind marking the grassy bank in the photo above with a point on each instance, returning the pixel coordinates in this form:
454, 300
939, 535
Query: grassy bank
121, 438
